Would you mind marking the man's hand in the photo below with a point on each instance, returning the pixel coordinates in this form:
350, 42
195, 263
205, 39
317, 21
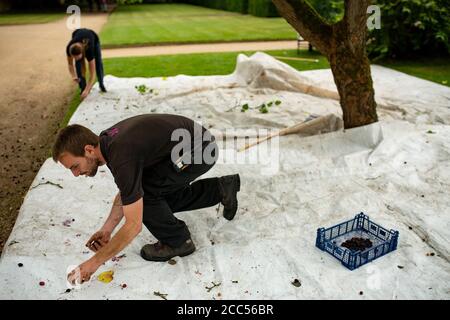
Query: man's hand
101, 240
98, 240
85, 93
83, 272
76, 79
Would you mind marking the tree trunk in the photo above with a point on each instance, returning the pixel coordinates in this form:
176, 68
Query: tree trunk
351, 67
344, 45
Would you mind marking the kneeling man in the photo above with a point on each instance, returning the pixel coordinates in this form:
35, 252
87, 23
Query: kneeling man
154, 159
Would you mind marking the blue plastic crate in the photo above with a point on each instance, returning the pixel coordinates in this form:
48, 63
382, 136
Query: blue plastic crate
383, 241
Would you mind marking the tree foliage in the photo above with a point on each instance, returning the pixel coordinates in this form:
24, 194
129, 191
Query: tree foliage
330, 10
411, 28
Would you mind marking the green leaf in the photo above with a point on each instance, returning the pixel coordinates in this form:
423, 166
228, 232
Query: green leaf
244, 107
141, 88
263, 108
406, 10
440, 35
278, 102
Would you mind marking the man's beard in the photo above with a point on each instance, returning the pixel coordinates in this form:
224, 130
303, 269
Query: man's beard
93, 164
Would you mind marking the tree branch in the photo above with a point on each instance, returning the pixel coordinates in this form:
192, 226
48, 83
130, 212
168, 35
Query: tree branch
308, 23
355, 19
356, 12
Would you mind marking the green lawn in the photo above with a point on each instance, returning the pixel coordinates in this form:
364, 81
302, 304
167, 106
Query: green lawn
135, 25
437, 70
433, 69
199, 63
28, 18
190, 64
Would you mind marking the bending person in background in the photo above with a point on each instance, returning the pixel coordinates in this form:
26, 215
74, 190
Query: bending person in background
85, 45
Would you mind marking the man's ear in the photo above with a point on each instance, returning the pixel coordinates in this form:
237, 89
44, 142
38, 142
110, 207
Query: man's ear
89, 149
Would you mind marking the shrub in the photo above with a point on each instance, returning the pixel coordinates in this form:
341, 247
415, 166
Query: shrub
411, 28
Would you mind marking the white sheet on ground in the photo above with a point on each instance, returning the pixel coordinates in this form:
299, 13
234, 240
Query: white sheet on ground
397, 171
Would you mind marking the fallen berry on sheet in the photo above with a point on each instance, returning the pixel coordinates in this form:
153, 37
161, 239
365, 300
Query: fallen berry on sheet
172, 262
296, 283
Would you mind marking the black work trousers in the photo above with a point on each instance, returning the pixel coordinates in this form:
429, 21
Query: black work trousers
98, 69
168, 191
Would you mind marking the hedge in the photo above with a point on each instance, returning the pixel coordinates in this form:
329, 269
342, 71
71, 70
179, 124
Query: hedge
262, 8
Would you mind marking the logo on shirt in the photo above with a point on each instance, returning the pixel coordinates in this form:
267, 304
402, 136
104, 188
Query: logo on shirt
112, 132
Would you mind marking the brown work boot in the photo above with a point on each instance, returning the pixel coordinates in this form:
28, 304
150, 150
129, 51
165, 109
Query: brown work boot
162, 252
229, 187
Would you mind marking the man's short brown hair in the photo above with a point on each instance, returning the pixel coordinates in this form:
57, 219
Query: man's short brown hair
73, 139
75, 49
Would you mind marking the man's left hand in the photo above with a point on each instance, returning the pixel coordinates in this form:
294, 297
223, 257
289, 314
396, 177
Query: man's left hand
83, 272
85, 93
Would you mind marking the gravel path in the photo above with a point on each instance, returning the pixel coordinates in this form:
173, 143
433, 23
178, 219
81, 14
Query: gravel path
197, 48
35, 90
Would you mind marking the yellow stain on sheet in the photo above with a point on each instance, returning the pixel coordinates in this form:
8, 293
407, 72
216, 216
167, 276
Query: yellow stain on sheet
106, 276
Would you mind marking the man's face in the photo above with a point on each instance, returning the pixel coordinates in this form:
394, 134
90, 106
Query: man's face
86, 165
